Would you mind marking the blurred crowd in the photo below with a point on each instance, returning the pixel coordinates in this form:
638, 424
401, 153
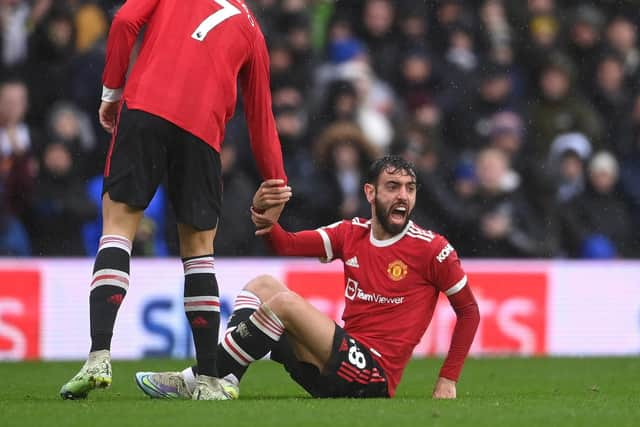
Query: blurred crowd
523, 118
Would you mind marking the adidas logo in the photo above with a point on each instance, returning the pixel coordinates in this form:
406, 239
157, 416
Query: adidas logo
353, 262
199, 322
115, 299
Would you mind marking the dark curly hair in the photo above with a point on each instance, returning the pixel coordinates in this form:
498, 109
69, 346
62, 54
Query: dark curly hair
391, 164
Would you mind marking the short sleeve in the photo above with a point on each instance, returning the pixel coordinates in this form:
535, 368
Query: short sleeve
333, 239
445, 270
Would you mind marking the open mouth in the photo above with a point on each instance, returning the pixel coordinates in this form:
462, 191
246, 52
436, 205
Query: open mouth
398, 213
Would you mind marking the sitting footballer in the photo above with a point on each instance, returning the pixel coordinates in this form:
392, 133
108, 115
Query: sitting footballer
394, 271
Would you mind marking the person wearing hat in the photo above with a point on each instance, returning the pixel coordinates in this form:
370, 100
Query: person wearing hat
567, 160
597, 223
585, 42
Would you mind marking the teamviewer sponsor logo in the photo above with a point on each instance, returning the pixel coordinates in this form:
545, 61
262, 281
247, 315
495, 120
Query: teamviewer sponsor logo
352, 291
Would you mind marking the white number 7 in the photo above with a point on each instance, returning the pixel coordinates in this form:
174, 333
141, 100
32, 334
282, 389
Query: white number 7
228, 10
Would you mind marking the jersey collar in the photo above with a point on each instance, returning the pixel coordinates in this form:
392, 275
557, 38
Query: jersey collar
391, 240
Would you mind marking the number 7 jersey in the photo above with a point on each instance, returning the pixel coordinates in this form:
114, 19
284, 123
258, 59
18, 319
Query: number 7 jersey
191, 58
391, 286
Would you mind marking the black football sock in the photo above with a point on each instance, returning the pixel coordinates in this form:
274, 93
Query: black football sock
108, 288
251, 340
202, 307
244, 305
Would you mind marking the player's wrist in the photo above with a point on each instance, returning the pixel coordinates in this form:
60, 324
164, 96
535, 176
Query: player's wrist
111, 95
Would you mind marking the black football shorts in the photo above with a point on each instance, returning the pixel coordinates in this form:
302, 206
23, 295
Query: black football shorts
351, 372
143, 148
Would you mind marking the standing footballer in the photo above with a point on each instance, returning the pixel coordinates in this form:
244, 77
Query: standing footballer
169, 117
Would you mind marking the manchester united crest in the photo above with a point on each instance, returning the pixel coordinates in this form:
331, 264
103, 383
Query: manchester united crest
397, 270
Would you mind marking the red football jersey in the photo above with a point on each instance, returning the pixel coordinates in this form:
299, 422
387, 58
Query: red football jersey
392, 286
192, 56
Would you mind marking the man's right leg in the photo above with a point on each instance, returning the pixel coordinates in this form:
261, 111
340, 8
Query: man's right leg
107, 290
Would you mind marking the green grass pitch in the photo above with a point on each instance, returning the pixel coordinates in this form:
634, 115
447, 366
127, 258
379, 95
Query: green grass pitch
493, 392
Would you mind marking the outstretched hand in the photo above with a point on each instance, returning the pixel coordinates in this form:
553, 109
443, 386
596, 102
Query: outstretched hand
271, 192
268, 203
264, 221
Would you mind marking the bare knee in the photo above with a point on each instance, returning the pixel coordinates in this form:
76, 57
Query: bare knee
265, 287
283, 303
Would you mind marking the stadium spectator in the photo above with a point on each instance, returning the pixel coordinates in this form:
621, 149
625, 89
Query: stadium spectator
469, 126
504, 224
16, 18
596, 224
496, 33
61, 204
343, 153
236, 233
585, 43
568, 157
18, 143
611, 96
387, 308
380, 35
168, 116
622, 36
67, 124
561, 109
413, 26
51, 53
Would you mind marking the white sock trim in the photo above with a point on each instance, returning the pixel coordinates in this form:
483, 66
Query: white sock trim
201, 265
111, 277
246, 299
114, 241
268, 322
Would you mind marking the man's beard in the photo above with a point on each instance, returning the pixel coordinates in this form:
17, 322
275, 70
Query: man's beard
382, 216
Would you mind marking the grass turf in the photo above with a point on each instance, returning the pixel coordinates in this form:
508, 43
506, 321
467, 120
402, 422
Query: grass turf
493, 392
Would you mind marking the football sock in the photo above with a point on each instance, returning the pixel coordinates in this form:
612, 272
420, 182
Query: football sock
244, 306
202, 307
251, 340
108, 288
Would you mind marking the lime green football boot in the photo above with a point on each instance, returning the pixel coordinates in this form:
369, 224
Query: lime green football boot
95, 373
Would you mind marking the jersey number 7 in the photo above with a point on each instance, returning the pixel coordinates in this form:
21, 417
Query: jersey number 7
228, 10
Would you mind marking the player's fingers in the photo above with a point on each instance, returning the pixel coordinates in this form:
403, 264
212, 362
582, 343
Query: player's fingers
106, 125
275, 190
272, 183
282, 196
259, 218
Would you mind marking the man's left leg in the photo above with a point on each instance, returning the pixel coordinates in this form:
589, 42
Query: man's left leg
108, 288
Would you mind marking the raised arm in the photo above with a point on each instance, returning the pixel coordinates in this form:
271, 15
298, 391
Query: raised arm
307, 243
268, 201
123, 33
256, 93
